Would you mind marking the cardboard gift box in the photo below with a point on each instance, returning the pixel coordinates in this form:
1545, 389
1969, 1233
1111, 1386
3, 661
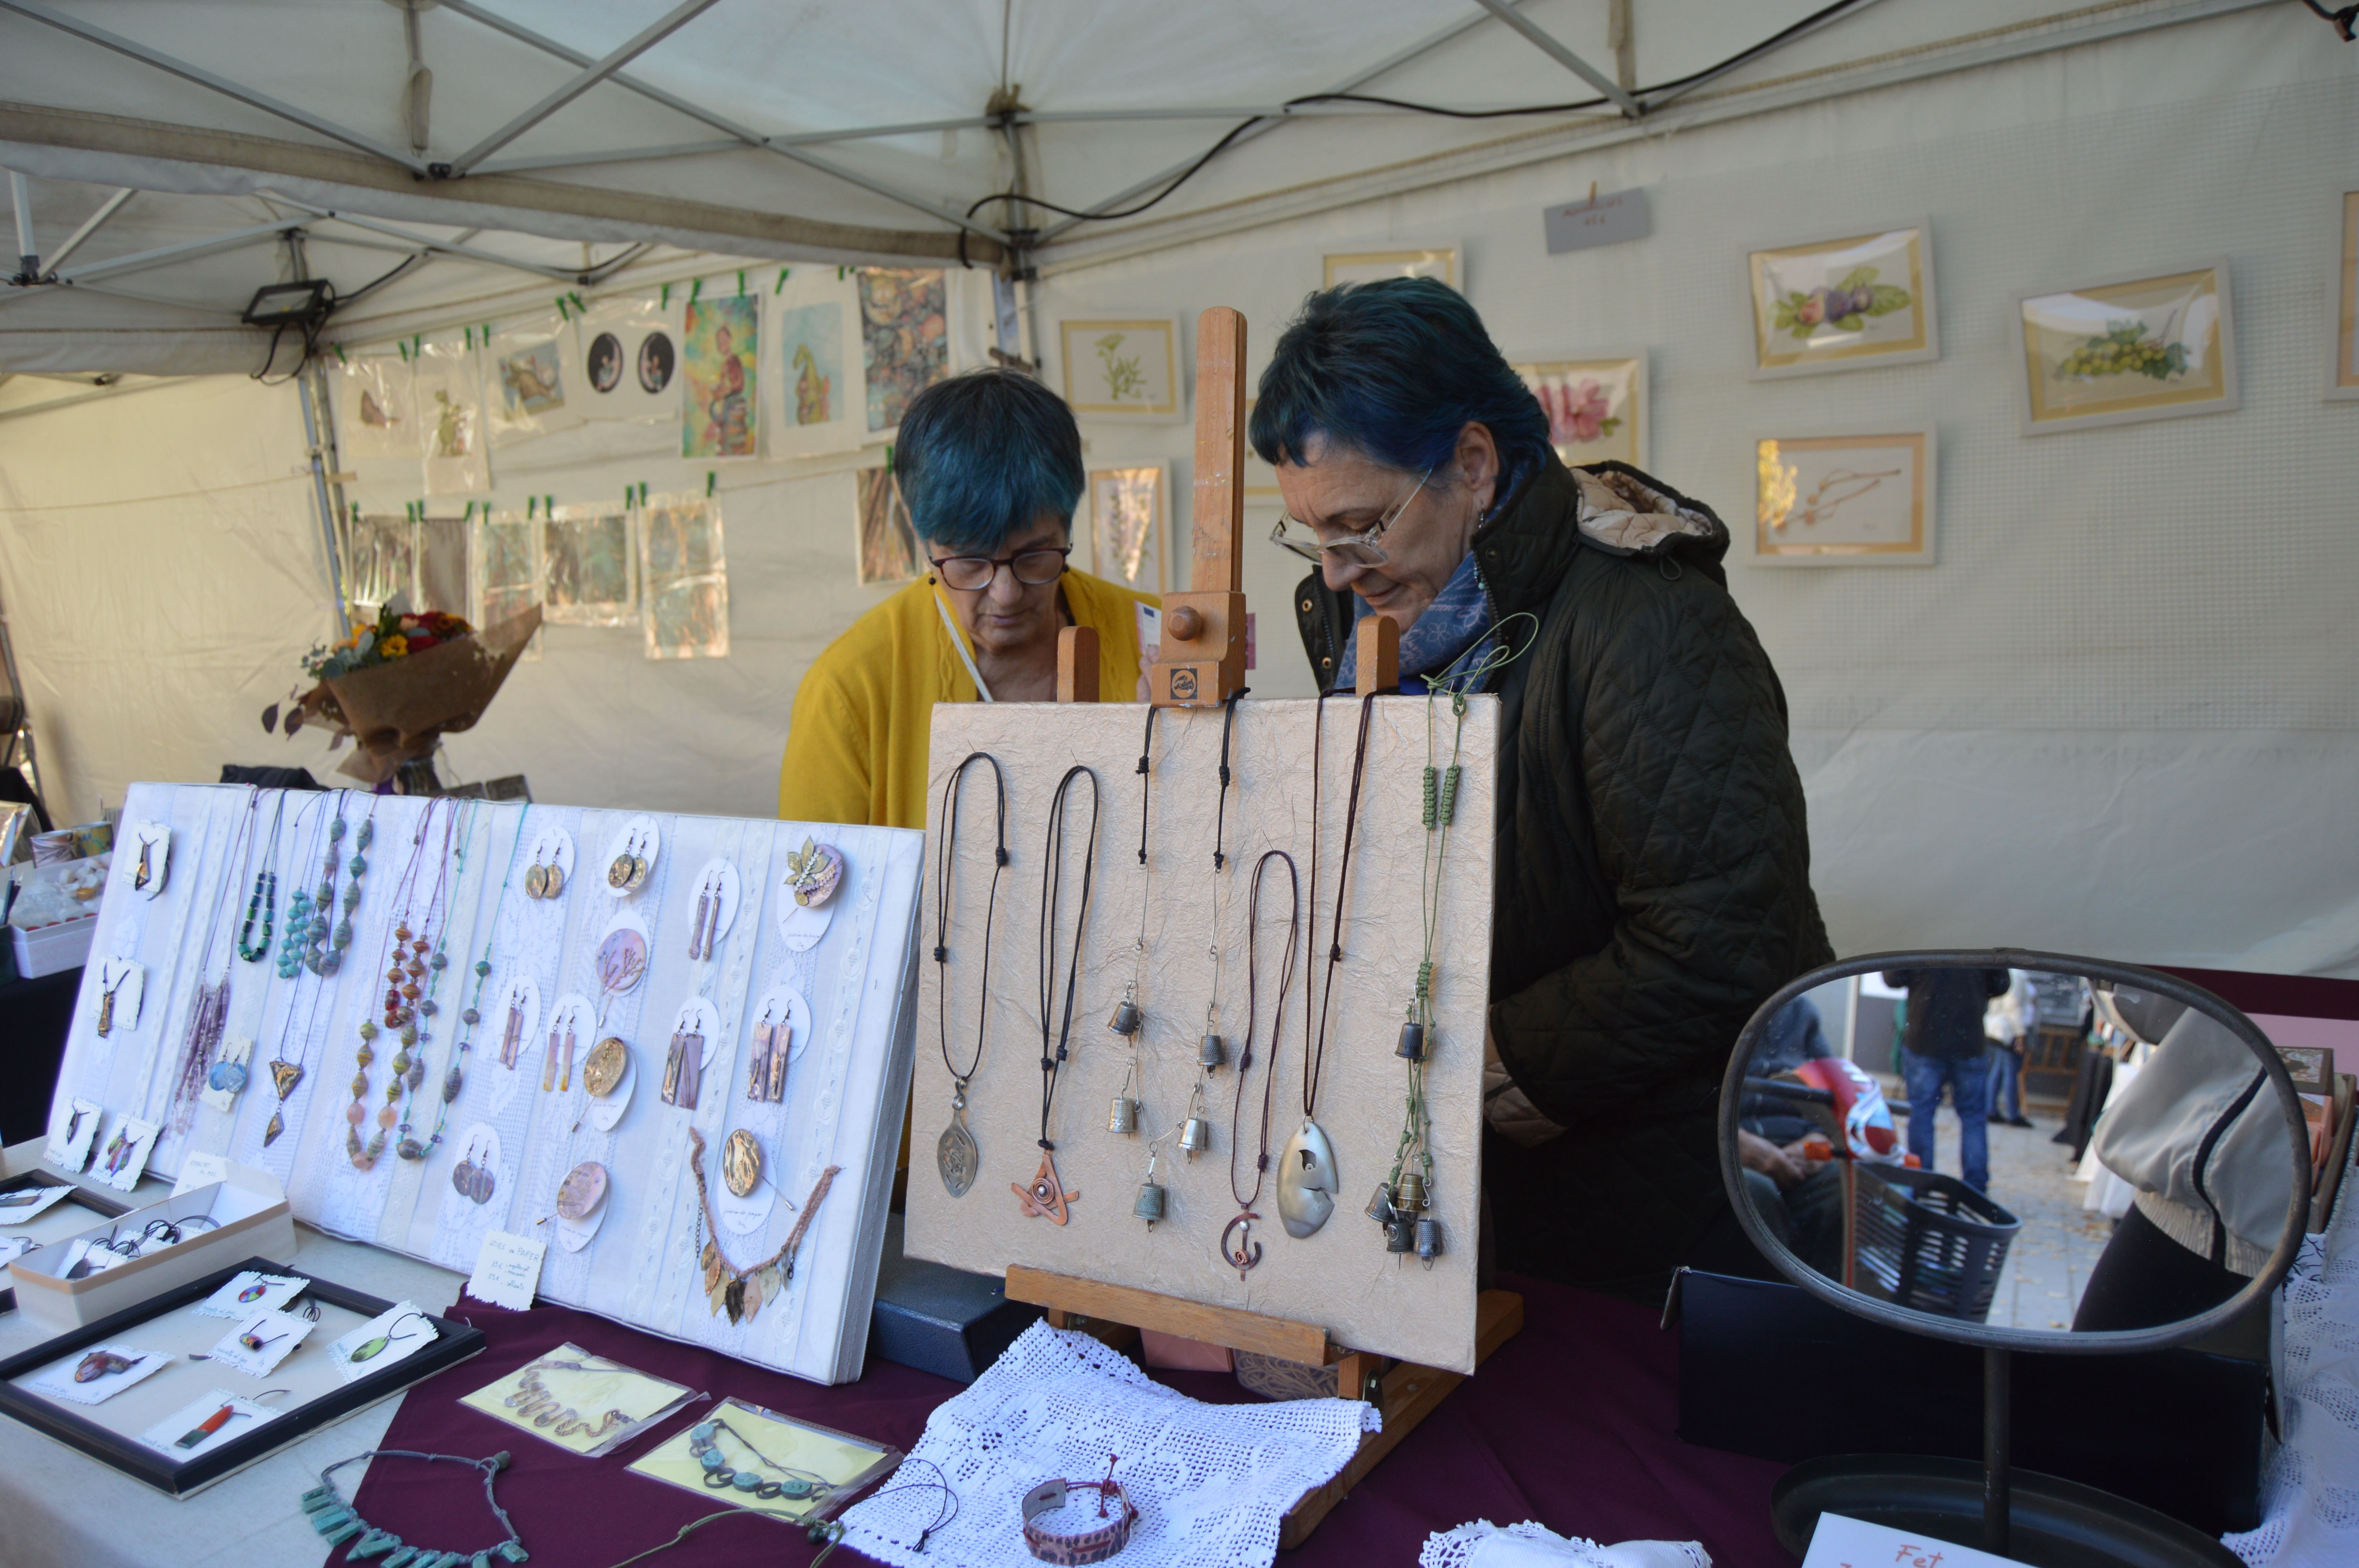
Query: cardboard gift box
251, 1216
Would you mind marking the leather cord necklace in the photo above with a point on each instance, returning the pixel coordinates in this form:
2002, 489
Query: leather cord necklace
454, 1077
338, 1522
209, 1010
955, 1154
1125, 1021
1245, 1252
1046, 1197
286, 1075
1308, 1182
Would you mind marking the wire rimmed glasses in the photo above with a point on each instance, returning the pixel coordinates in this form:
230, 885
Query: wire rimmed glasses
1359, 549
1033, 569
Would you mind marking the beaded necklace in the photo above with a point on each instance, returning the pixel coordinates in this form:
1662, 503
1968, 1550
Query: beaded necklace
264, 901
339, 1523
402, 969
286, 1075
454, 1078
209, 1010
410, 1067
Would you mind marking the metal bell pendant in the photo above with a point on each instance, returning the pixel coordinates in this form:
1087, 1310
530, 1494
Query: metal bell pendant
1195, 1135
1428, 1239
1124, 1021
1124, 1116
1412, 1042
1410, 1198
1380, 1207
1211, 1051
1149, 1206
1400, 1235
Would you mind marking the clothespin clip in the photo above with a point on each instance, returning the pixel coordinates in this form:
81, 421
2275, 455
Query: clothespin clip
549, 505
741, 281
560, 310
782, 279
471, 338
531, 505
340, 353
711, 480
576, 297
695, 289
663, 300
888, 459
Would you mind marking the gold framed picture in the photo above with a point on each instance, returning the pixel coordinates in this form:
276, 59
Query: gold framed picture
1122, 370
1596, 408
2147, 346
1845, 501
1368, 267
1127, 508
1861, 299
2342, 374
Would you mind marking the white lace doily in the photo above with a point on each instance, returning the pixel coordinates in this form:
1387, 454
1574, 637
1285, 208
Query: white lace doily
2311, 1512
1211, 1482
1482, 1544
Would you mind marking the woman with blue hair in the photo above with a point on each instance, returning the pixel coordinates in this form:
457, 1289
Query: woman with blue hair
1653, 861
990, 464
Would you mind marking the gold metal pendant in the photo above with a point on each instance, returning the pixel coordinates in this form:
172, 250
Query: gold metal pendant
604, 1066
639, 875
740, 1162
554, 882
619, 875
535, 882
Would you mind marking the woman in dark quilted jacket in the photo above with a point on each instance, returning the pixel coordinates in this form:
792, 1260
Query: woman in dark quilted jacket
1653, 879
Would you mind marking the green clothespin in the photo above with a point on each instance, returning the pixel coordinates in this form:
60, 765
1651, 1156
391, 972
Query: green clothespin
340, 353
782, 279
695, 290
663, 300
711, 480
531, 505
405, 351
888, 460
577, 302
740, 281
840, 272
471, 339
560, 310
549, 504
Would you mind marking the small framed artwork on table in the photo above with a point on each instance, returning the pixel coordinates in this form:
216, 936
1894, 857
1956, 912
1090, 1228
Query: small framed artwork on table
1127, 522
2150, 346
1845, 501
1596, 408
1366, 266
2342, 303
1843, 304
1122, 370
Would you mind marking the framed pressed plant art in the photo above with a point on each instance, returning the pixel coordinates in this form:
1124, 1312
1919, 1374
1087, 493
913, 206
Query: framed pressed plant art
1854, 501
1845, 303
2145, 346
1122, 370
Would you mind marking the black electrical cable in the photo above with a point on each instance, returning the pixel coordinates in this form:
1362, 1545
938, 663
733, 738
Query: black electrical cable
2342, 19
1824, 14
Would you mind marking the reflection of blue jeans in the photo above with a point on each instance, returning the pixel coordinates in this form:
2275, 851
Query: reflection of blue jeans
2007, 1066
1970, 1092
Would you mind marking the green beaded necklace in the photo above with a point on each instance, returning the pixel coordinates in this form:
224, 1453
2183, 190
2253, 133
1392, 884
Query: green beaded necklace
337, 1521
264, 901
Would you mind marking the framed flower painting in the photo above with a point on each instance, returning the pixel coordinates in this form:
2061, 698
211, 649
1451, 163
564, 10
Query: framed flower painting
2148, 347
1368, 267
1843, 304
1122, 370
1596, 408
1843, 501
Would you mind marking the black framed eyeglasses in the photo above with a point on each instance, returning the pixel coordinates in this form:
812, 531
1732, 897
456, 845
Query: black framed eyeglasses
1033, 569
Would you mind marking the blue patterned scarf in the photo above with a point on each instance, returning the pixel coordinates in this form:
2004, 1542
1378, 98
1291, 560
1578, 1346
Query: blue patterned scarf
1451, 630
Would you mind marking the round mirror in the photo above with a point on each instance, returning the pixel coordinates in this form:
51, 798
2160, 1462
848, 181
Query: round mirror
2017, 1149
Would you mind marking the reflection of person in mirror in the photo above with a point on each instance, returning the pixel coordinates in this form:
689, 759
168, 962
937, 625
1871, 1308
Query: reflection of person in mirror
2201, 1135
1794, 1187
2007, 1024
1944, 1048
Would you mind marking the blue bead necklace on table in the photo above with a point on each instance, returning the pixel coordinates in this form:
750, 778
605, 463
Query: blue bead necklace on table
339, 1522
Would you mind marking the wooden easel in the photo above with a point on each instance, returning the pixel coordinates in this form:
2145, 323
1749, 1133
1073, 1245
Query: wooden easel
1200, 665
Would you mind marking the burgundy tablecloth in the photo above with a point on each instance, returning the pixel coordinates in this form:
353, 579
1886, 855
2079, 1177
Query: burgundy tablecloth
1568, 1425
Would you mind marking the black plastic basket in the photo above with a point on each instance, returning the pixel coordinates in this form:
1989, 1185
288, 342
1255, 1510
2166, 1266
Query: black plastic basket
1924, 1240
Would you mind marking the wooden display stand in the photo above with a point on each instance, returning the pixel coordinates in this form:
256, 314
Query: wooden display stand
1403, 1392
1201, 665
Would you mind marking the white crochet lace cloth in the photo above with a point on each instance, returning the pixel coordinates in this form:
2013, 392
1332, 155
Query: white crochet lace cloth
1482, 1544
1211, 1482
2310, 1519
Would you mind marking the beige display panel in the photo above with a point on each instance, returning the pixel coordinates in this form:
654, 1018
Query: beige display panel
1341, 1277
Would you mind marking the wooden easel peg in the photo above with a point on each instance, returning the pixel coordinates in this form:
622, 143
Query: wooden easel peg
1376, 644
1202, 658
1077, 665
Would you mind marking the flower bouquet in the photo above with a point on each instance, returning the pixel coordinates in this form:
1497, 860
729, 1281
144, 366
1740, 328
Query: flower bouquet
396, 684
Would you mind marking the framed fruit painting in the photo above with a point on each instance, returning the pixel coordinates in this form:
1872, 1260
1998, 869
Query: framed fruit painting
1846, 303
2150, 346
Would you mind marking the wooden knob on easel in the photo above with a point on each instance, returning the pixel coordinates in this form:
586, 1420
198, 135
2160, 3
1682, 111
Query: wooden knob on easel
1187, 624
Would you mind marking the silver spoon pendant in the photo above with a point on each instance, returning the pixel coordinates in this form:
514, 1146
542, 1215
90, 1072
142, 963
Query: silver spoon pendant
1306, 1181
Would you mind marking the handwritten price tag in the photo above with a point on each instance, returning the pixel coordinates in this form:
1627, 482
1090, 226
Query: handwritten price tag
508, 1271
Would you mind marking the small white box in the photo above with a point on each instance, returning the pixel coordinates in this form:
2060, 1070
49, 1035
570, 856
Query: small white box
254, 1222
46, 949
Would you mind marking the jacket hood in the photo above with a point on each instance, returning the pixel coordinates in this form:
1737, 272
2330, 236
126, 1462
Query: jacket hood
1609, 507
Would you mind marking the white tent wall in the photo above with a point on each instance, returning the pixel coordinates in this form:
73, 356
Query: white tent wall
2118, 717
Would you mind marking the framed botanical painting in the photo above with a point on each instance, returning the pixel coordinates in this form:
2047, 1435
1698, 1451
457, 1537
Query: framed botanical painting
2343, 377
1596, 408
1368, 267
2153, 346
1845, 501
1843, 304
1127, 508
1260, 479
1122, 370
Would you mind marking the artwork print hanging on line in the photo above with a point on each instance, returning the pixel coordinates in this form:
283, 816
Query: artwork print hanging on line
719, 380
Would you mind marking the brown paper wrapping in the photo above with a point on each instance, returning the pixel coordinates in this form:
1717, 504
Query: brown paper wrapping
396, 712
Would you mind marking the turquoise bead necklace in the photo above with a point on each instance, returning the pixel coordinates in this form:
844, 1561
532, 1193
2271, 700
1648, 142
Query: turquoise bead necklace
338, 1522
264, 901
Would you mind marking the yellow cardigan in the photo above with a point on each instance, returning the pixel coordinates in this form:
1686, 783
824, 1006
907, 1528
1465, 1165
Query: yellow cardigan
857, 742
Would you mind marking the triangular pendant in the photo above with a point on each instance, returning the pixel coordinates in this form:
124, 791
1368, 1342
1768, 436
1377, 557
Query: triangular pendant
270, 1133
1046, 1197
286, 1075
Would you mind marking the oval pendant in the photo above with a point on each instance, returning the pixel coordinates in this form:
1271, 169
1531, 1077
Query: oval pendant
957, 1158
1306, 1181
371, 1349
228, 1077
740, 1162
535, 882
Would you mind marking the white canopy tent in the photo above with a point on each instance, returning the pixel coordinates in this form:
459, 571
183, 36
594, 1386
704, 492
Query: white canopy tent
2115, 718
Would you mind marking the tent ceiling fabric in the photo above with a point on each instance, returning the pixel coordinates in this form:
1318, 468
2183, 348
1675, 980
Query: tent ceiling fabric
97, 95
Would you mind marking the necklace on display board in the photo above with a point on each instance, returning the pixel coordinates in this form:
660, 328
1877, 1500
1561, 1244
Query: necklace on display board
955, 1154
1126, 1021
209, 1010
409, 1068
286, 1075
1045, 1196
404, 961
1308, 1182
454, 1077
1245, 1252
741, 1293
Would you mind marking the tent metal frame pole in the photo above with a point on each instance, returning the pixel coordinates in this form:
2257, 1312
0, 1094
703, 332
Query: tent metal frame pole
591, 76
112, 205
20, 198
1543, 40
734, 143
320, 442
203, 78
752, 138
141, 261
423, 242
1352, 83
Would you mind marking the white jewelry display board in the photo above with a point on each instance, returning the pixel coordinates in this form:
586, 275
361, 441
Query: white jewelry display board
1340, 1277
841, 1109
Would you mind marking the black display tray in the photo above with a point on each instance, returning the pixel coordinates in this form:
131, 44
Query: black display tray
453, 1342
105, 1207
